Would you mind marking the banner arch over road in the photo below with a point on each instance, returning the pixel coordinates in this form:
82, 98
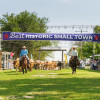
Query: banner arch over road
91, 37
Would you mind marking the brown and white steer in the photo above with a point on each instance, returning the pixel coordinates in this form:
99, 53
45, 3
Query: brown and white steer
16, 64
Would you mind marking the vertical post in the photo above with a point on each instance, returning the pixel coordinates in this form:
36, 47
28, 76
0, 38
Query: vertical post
0, 49
62, 58
0, 37
62, 55
81, 42
81, 46
93, 48
0, 59
39, 54
7, 61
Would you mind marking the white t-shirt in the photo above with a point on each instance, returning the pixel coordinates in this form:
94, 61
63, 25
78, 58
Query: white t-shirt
74, 53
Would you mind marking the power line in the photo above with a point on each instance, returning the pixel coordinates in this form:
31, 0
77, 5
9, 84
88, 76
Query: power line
81, 41
72, 26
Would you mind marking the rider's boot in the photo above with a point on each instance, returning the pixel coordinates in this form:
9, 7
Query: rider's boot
19, 64
72, 71
28, 65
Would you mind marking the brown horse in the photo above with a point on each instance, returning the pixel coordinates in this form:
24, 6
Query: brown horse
73, 63
24, 63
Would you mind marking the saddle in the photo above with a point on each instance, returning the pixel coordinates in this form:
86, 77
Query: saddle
22, 59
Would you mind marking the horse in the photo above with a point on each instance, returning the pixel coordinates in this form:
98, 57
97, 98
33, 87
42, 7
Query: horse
24, 63
73, 63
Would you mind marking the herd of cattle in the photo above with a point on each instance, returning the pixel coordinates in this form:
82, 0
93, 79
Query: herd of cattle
43, 65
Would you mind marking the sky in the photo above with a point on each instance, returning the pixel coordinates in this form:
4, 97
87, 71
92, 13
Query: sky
59, 12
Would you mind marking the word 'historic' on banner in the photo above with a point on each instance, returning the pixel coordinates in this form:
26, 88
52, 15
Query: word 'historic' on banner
51, 36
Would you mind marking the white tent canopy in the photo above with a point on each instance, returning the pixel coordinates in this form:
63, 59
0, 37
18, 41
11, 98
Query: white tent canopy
97, 55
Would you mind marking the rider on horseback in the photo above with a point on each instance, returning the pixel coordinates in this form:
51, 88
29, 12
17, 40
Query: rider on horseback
74, 54
24, 51
74, 62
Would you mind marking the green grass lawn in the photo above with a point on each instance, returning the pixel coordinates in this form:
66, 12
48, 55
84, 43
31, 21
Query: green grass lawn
50, 85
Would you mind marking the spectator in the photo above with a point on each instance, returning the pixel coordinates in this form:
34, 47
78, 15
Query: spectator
92, 64
99, 64
95, 65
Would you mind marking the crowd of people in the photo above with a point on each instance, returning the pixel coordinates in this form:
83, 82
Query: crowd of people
95, 64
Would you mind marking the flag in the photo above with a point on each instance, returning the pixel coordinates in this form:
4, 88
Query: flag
65, 58
31, 56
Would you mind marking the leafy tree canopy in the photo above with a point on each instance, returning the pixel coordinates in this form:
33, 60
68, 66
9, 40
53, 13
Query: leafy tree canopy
25, 22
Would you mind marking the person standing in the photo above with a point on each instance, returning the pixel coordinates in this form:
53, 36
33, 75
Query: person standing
99, 64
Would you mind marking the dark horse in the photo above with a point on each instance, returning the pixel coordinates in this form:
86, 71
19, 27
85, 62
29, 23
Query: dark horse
73, 63
24, 63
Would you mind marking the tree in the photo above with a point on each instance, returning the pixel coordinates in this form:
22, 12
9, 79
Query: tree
97, 29
25, 22
87, 48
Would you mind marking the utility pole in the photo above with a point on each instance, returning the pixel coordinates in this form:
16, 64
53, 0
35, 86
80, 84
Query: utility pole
0, 37
0, 48
81, 41
93, 47
93, 50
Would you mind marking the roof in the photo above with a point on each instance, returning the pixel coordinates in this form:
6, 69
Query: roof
51, 49
6, 53
98, 55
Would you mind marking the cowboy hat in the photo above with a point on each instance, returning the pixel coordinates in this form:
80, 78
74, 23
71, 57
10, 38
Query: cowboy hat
73, 47
23, 47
